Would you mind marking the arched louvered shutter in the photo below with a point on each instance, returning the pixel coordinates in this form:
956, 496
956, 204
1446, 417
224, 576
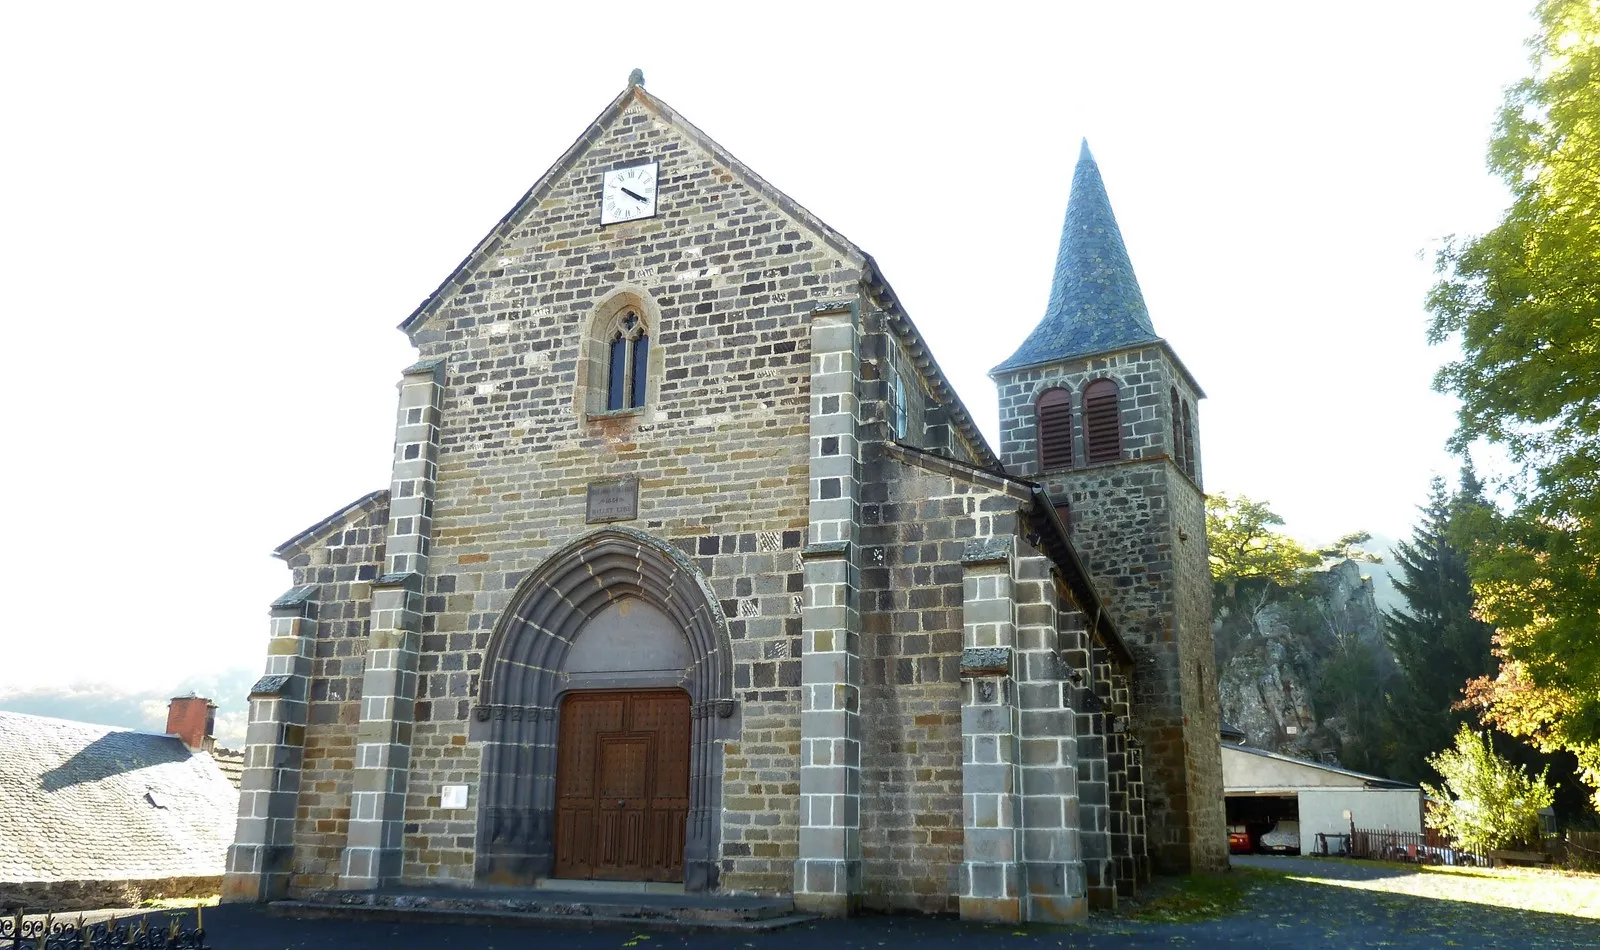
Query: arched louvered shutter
1055, 429
1102, 422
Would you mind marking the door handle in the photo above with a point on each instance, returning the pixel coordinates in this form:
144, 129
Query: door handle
620, 803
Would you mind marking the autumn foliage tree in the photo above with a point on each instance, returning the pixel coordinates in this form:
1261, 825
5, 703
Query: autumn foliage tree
1523, 302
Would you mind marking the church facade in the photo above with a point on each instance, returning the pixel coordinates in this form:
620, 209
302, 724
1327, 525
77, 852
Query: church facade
693, 568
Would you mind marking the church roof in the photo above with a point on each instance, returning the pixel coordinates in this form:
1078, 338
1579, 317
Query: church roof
362, 507
1095, 302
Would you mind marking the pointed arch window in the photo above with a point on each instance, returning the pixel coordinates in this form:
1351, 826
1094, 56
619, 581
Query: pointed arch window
626, 380
1180, 443
1188, 442
1054, 411
1102, 422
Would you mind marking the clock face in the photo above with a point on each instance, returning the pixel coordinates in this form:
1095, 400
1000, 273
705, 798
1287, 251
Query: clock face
628, 193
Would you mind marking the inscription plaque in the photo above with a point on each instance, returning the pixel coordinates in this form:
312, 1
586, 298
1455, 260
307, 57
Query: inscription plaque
615, 499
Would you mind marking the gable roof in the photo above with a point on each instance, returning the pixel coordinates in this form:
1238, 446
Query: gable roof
1356, 778
1096, 305
873, 276
497, 235
80, 802
363, 507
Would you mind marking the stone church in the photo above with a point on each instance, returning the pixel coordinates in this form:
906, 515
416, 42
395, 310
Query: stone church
693, 568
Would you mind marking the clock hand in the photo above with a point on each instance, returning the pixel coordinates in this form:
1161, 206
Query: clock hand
633, 194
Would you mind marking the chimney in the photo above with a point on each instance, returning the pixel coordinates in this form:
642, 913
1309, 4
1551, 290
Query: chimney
193, 719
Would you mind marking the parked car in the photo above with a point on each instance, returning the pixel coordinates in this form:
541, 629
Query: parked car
1284, 838
1239, 840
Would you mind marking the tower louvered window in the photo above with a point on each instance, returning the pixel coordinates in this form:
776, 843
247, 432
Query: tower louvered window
1054, 411
1102, 422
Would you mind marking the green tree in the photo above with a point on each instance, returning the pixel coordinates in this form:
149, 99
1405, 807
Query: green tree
1437, 642
1243, 544
1486, 802
1523, 301
1252, 566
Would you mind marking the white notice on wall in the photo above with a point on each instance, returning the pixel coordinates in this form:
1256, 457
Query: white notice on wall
452, 796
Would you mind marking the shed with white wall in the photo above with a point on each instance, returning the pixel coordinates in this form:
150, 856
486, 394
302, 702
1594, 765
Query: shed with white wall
1324, 793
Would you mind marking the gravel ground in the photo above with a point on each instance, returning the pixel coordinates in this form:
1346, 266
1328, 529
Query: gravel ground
1325, 904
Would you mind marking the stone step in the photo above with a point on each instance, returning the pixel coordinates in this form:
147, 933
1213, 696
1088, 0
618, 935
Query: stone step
547, 907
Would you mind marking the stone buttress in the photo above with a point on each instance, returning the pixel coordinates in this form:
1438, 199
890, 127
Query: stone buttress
262, 856
373, 855
827, 873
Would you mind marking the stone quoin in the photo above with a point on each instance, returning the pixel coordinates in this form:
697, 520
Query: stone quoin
693, 568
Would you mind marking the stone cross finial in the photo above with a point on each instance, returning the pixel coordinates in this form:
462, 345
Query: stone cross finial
636, 78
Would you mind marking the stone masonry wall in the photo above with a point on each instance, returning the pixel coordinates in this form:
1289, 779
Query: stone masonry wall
38, 897
721, 455
1125, 522
342, 563
915, 525
1201, 701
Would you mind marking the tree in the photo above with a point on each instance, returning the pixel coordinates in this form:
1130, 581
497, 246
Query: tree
1243, 544
1244, 549
1487, 802
1437, 642
1523, 301
1349, 548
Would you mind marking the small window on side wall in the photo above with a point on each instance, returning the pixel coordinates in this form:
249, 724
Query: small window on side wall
1102, 422
1054, 412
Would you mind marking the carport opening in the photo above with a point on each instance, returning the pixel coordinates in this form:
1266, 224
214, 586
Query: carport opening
1263, 824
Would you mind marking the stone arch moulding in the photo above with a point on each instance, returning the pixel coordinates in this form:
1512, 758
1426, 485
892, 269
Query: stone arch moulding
589, 389
524, 679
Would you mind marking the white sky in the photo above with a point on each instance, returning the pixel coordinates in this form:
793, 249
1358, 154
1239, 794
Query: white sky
212, 220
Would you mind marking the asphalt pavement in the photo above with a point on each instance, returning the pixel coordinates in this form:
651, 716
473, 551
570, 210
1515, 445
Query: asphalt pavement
1292, 915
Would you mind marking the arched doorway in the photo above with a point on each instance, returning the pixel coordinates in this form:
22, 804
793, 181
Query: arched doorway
616, 614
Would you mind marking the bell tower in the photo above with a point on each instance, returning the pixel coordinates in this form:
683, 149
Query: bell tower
1099, 409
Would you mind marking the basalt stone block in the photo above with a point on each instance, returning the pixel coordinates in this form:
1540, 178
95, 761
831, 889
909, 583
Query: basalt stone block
987, 551
986, 661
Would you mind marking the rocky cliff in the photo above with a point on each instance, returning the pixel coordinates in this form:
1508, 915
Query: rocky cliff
1301, 669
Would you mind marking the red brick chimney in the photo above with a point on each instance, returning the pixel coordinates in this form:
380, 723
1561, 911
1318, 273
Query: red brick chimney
193, 719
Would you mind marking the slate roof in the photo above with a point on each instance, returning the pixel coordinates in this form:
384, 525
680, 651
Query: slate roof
1095, 302
80, 802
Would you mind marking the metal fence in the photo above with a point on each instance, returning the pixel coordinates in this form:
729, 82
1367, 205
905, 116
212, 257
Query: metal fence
140, 932
1427, 848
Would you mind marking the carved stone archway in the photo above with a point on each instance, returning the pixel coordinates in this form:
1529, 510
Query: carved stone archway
525, 675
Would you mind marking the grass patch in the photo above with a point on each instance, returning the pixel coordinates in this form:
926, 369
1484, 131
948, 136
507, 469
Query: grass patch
1197, 897
178, 903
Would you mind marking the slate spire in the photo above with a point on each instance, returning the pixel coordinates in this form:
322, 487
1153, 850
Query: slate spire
1095, 302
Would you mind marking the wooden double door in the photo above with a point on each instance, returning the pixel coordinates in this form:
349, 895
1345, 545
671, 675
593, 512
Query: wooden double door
622, 785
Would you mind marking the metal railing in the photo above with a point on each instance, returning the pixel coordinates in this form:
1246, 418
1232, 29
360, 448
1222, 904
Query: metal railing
133, 932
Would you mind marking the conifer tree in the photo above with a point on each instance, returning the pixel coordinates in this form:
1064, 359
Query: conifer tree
1437, 642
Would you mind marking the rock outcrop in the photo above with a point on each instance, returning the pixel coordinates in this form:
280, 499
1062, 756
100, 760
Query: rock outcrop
1288, 660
